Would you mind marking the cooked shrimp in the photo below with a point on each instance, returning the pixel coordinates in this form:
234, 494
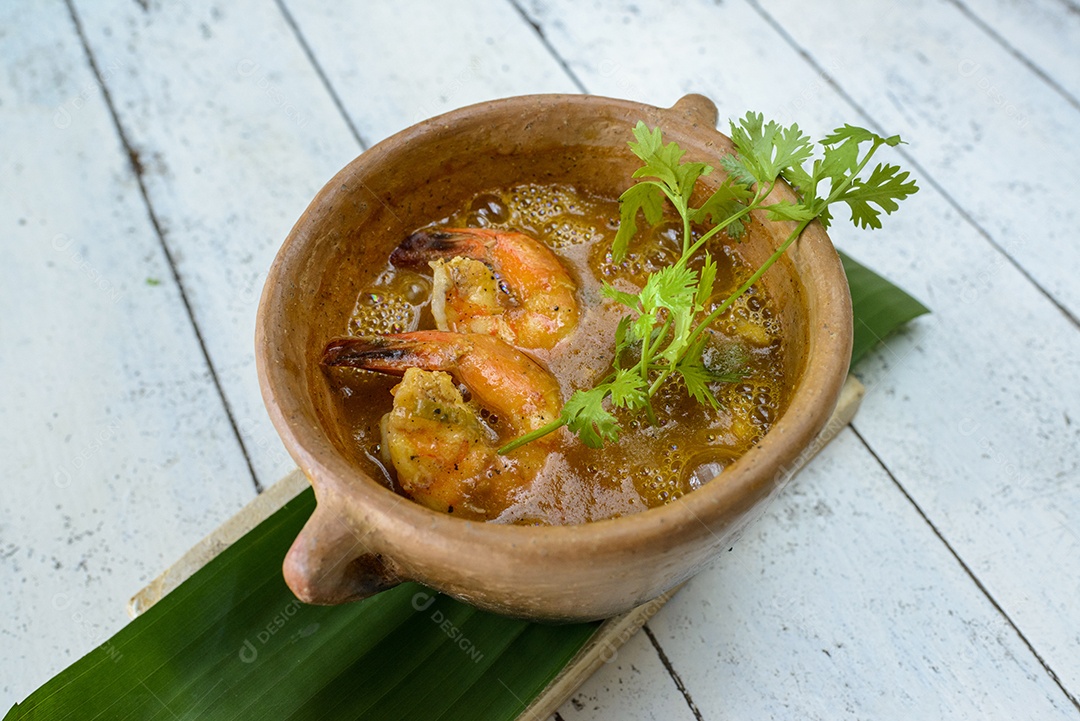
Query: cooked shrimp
496, 282
444, 454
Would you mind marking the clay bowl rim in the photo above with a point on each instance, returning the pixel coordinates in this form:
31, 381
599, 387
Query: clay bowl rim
741, 485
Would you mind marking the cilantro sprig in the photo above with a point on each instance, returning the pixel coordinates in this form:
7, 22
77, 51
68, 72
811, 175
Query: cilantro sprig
667, 320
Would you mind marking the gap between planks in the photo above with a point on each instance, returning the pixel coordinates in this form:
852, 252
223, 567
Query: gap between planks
137, 171
925, 175
967, 570
1015, 52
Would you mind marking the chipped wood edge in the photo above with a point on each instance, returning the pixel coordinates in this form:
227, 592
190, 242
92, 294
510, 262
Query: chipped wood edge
600, 649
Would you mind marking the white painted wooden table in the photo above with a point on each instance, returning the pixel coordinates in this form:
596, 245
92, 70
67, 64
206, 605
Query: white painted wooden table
154, 154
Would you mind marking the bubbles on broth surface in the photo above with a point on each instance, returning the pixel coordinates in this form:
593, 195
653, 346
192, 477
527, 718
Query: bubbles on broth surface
651, 465
535, 204
655, 248
394, 303
556, 214
566, 232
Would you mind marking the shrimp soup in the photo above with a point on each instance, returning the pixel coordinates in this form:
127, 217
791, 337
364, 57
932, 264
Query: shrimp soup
654, 463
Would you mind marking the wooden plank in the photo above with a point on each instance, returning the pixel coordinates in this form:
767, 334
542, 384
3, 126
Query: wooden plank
977, 118
236, 134
448, 57
237, 131
151, 104
983, 441
800, 621
109, 421
632, 683
1045, 32
964, 407
956, 96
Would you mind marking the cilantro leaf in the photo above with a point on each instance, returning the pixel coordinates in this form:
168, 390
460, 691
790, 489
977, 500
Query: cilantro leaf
627, 390
659, 338
767, 148
825, 217
791, 146
805, 184
705, 282
664, 162
885, 186
662, 166
642, 327
786, 210
850, 132
671, 287
729, 199
645, 197
839, 161
620, 333
661, 161
674, 289
622, 340
859, 135
704, 364
751, 138
688, 174
628, 299
695, 375
737, 171
696, 379
585, 415
648, 141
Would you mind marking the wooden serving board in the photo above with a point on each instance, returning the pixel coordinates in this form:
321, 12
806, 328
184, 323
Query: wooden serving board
601, 647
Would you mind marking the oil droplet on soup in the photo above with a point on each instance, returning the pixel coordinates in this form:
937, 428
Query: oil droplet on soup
651, 465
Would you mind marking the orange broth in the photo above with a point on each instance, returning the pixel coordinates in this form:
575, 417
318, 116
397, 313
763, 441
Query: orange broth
650, 465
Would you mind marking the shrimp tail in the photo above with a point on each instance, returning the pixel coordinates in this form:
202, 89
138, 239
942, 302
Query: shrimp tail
392, 354
366, 353
424, 245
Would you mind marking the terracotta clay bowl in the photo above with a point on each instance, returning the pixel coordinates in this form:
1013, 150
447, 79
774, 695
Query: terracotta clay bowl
362, 537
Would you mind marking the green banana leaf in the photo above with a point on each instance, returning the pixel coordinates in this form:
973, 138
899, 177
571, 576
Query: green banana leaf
878, 307
232, 642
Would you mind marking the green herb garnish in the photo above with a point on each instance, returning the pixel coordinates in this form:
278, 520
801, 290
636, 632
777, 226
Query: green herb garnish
668, 324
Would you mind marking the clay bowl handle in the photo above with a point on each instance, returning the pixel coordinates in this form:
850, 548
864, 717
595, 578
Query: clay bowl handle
329, 563
697, 109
